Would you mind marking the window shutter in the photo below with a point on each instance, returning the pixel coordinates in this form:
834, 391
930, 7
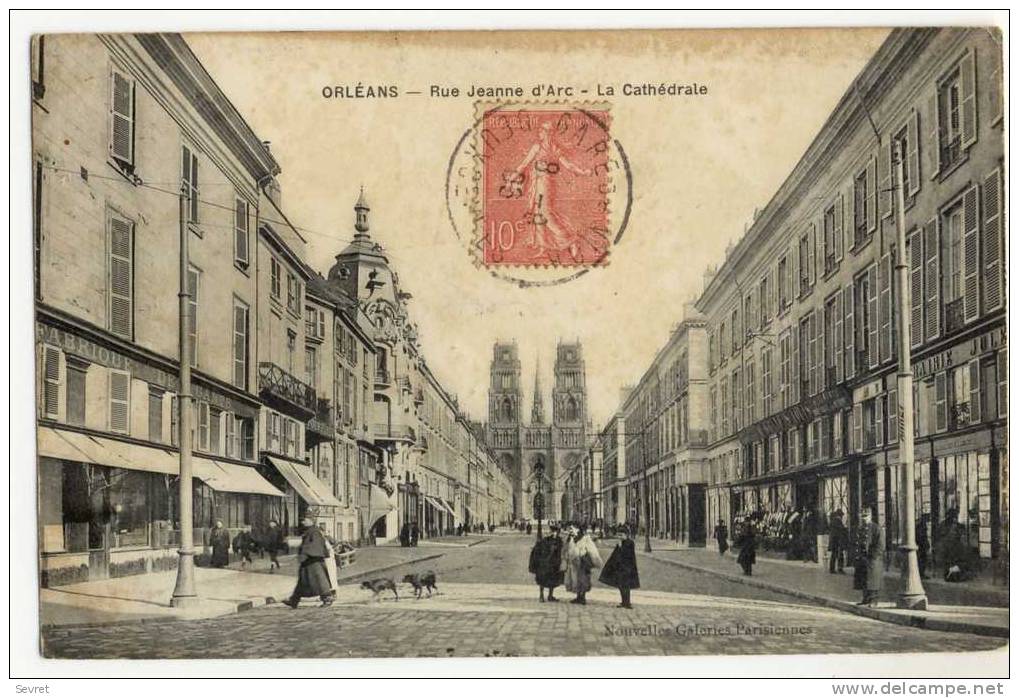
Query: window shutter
968, 107
836, 434
885, 308
914, 252
1002, 371
849, 300
52, 382
940, 402
838, 339
794, 269
816, 344
121, 278
912, 164
933, 135
992, 245
970, 255
886, 176
857, 428
879, 422
241, 231
975, 406
812, 253
794, 365
120, 399
122, 117
240, 346
932, 280
840, 207
872, 194
872, 316
893, 416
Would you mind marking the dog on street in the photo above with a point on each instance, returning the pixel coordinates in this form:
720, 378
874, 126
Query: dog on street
424, 580
377, 586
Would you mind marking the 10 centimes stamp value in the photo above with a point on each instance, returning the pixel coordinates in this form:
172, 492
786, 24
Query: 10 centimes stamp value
546, 187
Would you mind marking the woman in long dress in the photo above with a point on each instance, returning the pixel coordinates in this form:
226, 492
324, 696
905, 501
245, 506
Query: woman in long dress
312, 575
568, 559
586, 558
219, 539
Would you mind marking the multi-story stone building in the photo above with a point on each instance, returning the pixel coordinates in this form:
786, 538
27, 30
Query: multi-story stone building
116, 118
801, 315
557, 446
613, 480
663, 435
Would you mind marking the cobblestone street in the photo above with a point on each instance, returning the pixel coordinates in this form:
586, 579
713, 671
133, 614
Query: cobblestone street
487, 606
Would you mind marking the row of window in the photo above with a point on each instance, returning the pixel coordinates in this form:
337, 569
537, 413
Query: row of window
63, 397
795, 273
284, 435
854, 330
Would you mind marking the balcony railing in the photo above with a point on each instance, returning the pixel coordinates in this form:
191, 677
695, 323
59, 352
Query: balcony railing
381, 378
322, 423
394, 432
277, 384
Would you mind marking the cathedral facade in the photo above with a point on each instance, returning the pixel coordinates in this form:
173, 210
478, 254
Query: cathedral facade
555, 441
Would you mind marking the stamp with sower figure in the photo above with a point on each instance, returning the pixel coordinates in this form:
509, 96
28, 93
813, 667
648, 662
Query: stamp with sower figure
542, 188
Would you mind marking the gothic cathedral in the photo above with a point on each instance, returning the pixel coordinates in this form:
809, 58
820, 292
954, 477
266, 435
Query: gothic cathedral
558, 446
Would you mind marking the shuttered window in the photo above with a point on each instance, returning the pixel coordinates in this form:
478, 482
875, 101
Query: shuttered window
203, 426
849, 329
940, 402
52, 382
230, 436
275, 277
240, 345
120, 279
1002, 370
992, 242
241, 232
912, 150
189, 179
869, 326
914, 255
838, 336
975, 396
932, 284
122, 119
970, 256
885, 308
120, 401
893, 416
194, 276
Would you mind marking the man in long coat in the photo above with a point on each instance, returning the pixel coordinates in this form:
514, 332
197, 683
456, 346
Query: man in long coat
838, 542
620, 570
722, 536
870, 556
312, 576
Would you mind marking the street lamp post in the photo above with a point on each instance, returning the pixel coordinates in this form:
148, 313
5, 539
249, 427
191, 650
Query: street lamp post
912, 594
184, 593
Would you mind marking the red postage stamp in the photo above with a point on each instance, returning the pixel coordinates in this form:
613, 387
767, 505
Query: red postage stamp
545, 186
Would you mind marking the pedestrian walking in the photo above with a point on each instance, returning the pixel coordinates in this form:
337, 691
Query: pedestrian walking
244, 544
747, 543
620, 570
721, 536
838, 543
405, 535
219, 539
546, 565
274, 544
312, 575
415, 532
585, 559
923, 544
869, 559
528, 528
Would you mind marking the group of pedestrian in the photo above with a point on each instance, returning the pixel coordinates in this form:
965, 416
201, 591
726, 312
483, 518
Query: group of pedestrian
245, 544
409, 534
571, 562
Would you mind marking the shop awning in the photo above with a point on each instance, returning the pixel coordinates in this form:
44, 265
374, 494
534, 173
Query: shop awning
452, 512
470, 511
378, 504
85, 448
308, 486
436, 505
231, 477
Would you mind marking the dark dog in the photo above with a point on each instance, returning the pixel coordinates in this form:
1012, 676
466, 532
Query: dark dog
425, 580
377, 586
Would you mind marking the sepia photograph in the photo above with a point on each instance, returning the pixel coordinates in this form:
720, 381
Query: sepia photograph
524, 343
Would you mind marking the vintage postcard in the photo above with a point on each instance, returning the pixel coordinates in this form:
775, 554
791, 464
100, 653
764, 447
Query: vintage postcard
521, 343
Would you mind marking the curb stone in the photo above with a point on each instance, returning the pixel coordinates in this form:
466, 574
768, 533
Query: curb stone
908, 619
240, 606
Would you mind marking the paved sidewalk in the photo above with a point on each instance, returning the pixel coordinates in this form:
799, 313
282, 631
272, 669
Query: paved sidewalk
146, 597
951, 608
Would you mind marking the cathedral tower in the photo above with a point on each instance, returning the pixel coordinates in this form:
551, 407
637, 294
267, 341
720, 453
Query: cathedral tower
569, 395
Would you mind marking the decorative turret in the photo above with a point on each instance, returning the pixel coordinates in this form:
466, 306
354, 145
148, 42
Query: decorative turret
538, 408
361, 210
